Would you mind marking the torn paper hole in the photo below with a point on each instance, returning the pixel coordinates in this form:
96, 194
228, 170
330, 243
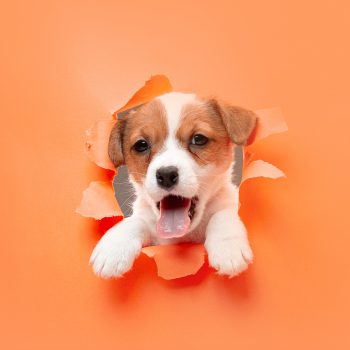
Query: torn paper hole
173, 261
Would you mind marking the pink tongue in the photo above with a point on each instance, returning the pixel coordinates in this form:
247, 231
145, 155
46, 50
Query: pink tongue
174, 220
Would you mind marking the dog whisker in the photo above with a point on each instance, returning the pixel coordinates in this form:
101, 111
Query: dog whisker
126, 200
122, 183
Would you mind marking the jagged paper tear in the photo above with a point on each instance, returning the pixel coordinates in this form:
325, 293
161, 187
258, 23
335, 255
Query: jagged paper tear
270, 121
96, 144
259, 168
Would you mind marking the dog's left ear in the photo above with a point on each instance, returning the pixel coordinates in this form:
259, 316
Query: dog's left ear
239, 122
115, 144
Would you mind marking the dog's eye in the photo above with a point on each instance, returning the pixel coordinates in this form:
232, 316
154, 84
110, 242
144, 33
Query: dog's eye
199, 140
141, 146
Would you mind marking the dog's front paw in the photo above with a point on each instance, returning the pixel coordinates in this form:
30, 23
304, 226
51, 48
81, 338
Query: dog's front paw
115, 254
229, 256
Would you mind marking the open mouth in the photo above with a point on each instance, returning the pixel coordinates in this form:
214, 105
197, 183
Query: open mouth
175, 217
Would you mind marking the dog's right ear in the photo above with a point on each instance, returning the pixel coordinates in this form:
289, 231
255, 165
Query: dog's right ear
115, 145
239, 122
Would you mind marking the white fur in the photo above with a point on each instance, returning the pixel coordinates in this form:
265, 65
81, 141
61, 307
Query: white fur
173, 103
216, 222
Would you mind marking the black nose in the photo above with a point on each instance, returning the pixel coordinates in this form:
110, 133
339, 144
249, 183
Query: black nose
167, 177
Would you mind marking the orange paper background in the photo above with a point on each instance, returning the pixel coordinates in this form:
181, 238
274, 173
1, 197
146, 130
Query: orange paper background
65, 65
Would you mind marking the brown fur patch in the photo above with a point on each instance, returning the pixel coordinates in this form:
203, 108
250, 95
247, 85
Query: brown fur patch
200, 118
148, 123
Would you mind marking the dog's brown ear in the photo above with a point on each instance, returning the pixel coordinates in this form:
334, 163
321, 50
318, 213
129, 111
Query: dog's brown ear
115, 144
239, 122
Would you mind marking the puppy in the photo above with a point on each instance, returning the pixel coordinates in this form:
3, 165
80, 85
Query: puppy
178, 149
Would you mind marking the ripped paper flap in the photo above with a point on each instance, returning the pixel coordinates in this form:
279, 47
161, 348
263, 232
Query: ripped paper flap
176, 261
96, 144
98, 201
270, 121
156, 86
259, 168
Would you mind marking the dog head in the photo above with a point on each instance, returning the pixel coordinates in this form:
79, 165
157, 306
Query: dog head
177, 149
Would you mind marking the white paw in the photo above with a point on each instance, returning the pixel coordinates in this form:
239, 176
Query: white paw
230, 256
115, 254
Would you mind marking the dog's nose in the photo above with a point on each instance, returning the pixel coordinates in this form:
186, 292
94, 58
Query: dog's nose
167, 177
